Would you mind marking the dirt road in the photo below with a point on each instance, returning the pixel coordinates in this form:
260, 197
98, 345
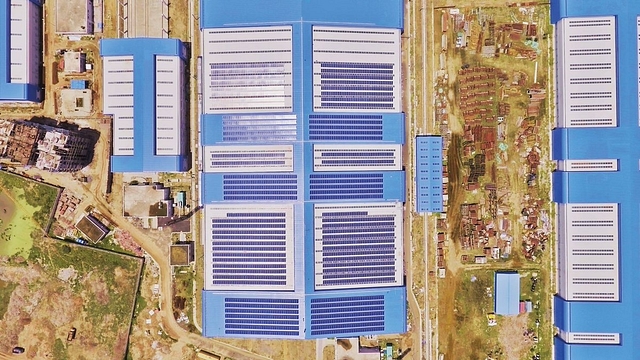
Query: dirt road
169, 323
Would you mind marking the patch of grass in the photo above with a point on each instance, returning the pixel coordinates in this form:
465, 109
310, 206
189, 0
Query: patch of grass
59, 351
6, 289
38, 195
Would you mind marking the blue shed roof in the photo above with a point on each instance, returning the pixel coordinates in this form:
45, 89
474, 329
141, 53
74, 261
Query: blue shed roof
507, 293
428, 177
375, 13
291, 315
9, 91
144, 51
620, 187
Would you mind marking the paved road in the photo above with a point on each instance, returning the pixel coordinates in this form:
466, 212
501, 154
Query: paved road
409, 98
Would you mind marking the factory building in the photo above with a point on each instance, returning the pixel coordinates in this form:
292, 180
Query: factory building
21, 44
595, 147
302, 174
144, 91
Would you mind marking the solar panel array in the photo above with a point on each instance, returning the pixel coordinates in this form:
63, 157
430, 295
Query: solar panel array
326, 127
343, 153
358, 246
249, 70
260, 187
357, 157
259, 128
356, 69
340, 186
347, 315
248, 158
251, 249
260, 317
356, 86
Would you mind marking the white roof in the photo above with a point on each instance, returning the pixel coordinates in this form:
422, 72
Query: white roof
248, 247
248, 158
588, 258
118, 101
25, 42
247, 70
344, 157
358, 245
587, 83
170, 107
356, 70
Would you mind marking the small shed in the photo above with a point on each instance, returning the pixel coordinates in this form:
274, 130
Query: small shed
78, 84
507, 293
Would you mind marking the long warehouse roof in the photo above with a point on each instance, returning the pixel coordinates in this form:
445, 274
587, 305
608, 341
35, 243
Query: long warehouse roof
303, 183
596, 188
144, 91
20, 35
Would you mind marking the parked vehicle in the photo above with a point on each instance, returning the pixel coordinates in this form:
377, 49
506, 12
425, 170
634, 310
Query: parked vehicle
18, 350
72, 334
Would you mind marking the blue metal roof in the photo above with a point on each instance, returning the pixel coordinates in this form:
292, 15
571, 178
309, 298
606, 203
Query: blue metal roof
304, 186
342, 313
144, 51
612, 187
9, 91
428, 175
78, 84
507, 293
376, 13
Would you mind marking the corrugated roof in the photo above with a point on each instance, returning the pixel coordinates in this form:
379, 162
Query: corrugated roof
377, 13
144, 51
507, 293
620, 187
9, 91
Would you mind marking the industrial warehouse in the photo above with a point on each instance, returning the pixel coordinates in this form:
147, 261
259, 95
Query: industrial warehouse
302, 178
595, 146
21, 40
127, 77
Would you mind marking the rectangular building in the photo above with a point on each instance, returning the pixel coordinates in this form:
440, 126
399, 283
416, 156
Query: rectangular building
428, 174
595, 147
21, 44
302, 173
507, 293
145, 90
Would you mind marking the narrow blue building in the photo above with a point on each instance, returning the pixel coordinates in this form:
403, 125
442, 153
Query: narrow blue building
144, 91
303, 186
428, 176
595, 186
21, 51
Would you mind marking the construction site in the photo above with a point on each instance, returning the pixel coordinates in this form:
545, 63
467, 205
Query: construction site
492, 86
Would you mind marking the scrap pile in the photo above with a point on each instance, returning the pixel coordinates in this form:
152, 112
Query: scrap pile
536, 227
66, 208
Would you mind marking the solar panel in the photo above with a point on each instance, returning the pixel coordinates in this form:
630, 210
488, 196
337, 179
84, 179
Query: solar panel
347, 315
254, 187
258, 316
345, 127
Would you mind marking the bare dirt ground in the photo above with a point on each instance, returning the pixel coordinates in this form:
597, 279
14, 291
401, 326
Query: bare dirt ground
145, 343
277, 349
514, 343
62, 286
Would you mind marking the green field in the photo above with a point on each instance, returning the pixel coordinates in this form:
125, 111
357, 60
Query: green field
25, 207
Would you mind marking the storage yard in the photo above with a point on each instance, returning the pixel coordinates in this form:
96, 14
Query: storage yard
492, 85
